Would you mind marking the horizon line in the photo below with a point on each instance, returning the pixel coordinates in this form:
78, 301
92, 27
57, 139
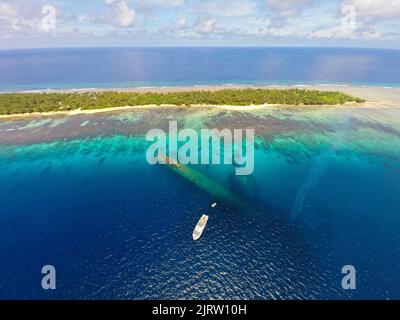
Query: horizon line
198, 46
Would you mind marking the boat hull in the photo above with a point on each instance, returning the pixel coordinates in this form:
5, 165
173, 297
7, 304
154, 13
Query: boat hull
198, 230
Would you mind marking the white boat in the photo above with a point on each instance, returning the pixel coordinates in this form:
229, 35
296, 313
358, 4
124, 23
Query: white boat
197, 232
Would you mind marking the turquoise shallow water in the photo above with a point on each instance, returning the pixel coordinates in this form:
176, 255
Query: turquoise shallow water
78, 193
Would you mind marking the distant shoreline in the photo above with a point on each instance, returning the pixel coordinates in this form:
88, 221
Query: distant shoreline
210, 87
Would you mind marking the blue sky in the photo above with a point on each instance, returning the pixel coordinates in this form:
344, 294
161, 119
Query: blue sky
366, 23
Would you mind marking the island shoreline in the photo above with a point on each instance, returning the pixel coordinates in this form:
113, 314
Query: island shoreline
244, 108
353, 90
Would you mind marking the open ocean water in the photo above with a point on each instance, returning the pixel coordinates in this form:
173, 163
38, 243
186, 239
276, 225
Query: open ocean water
77, 192
141, 67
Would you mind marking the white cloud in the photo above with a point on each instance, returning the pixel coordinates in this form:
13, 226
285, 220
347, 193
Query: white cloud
288, 8
375, 9
18, 18
227, 8
368, 13
183, 23
15, 24
146, 7
205, 26
339, 32
7, 10
164, 3
280, 11
120, 14
305, 21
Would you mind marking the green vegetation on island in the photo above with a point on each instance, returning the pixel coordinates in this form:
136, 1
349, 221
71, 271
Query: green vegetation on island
16, 103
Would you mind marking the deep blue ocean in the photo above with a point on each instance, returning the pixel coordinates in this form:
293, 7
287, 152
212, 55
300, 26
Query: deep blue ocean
141, 67
78, 194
